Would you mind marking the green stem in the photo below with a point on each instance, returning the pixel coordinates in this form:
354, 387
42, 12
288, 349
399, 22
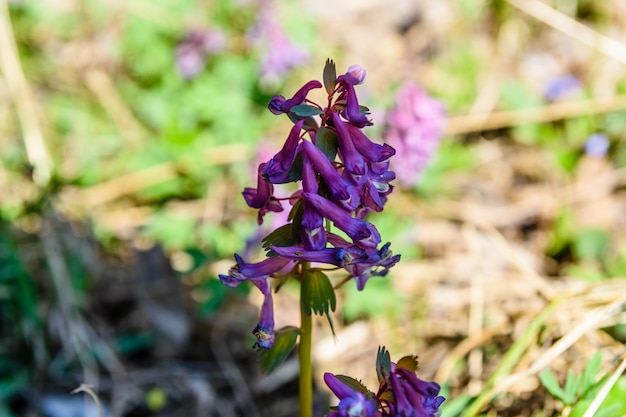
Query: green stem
306, 374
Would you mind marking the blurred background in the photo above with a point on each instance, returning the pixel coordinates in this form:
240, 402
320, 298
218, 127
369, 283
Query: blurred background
129, 129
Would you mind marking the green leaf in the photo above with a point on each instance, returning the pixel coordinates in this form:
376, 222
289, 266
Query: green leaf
591, 244
309, 124
613, 404
383, 364
572, 386
330, 76
284, 342
306, 110
295, 172
326, 141
354, 384
590, 372
296, 216
318, 295
454, 407
282, 236
548, 380
409, 363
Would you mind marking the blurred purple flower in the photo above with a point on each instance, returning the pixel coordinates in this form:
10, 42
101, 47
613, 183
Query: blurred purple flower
565, 86
194, 50
279, 53
414, 128
597, 145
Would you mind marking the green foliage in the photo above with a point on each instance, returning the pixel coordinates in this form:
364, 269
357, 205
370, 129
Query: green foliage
354, 384
326, 140
579, 391
330, 76
318, 295
409, 363
383, 365
281, 236
22, 323
591, 244
379, 297
613, 404
453, 407
451, 157
285, 341
306, 110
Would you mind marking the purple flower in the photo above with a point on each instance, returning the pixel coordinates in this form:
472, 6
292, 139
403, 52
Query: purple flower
401, 393
351, 403
376, 264
258, 274
358, 230
374, 188
279, 104
358, 72
597, 145
262, 197
352, 111
313, 234
412, 396
354, 162
264, 331
341, 191
277, 168
279, 54
194, 50
370, 150
565, 86
341, 257
344, 176
414, 128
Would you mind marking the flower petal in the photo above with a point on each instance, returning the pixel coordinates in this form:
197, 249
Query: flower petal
278, 104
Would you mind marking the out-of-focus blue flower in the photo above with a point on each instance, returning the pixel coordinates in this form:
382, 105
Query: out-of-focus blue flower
565, 86
597, 145
414, 128
195, 49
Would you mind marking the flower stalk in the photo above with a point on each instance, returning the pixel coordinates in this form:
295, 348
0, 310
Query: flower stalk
305, 380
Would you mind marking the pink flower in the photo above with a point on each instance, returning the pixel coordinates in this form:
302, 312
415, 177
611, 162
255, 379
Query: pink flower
414, 128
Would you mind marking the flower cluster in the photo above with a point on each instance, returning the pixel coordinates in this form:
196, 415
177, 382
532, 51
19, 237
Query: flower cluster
343, 176
413, 127
400, 394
